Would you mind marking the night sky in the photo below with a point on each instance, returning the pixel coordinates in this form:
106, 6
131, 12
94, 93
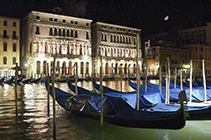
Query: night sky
147, 15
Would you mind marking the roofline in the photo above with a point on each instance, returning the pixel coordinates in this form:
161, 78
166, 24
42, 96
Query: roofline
60, 15
108, 24
10, 18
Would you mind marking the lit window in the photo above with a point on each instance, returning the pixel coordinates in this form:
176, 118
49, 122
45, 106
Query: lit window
5, 23
5, 47
5, 33
5, 60
87, 35
14, 35
14, 47
55, 31
51, 31
14, 24
13, 60
37, 30
76, 33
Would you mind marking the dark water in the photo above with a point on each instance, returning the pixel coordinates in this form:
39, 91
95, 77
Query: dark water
32, 121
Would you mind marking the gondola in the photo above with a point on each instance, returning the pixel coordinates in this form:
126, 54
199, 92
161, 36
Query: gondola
9, 81
88, 105
26, 81
196, 110
197, 94
35, 80
2, 80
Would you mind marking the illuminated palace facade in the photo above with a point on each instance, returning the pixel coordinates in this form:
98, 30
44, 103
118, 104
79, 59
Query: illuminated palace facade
78, 41
47, 35
117, 47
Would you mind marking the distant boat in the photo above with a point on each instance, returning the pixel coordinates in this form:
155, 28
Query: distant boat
2, 80
88, 105
26, 81
196, 110
9, 81
35, 80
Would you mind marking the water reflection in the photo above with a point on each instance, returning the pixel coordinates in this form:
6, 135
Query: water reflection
33, 122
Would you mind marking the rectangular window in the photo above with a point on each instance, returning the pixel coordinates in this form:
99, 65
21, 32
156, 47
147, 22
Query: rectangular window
5, 23
14, 24
201, 48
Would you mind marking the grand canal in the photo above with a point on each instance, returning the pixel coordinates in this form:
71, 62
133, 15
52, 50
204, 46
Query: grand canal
33, 122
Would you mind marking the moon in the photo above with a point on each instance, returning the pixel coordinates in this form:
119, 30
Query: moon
166, 18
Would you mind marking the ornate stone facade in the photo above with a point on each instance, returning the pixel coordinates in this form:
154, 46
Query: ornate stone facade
45, 35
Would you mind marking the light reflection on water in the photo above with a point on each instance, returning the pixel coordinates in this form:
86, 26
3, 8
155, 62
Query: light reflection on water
33, 122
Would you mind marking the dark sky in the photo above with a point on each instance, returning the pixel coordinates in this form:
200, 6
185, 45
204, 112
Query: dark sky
147, 15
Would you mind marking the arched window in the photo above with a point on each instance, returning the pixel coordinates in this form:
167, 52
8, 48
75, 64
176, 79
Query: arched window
111, 38
117, 39
87, 35
30, 49
51, 31
60, 32
105, 37
63, 32
102, 35
76, 33
14, 34
5, 33
129, 40
37, 30
55, 31
126, 40
114, 38
14, 60
71, 33
120, 39
5, 60
5, 46
87, 68
68, 32
14, 47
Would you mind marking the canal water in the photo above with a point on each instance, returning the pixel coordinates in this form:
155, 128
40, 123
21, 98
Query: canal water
33, 123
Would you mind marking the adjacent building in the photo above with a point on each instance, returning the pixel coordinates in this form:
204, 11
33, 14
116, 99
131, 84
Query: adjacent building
9, 45
117, 46
157, 52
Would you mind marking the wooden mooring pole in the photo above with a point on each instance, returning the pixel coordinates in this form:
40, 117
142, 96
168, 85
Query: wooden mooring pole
16, 94
48, 88
181, 80
204, 81
54, 102
190, 82
121, 79
175, 78
137, 73
101, 95
146, 79
76, 79
160, 80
